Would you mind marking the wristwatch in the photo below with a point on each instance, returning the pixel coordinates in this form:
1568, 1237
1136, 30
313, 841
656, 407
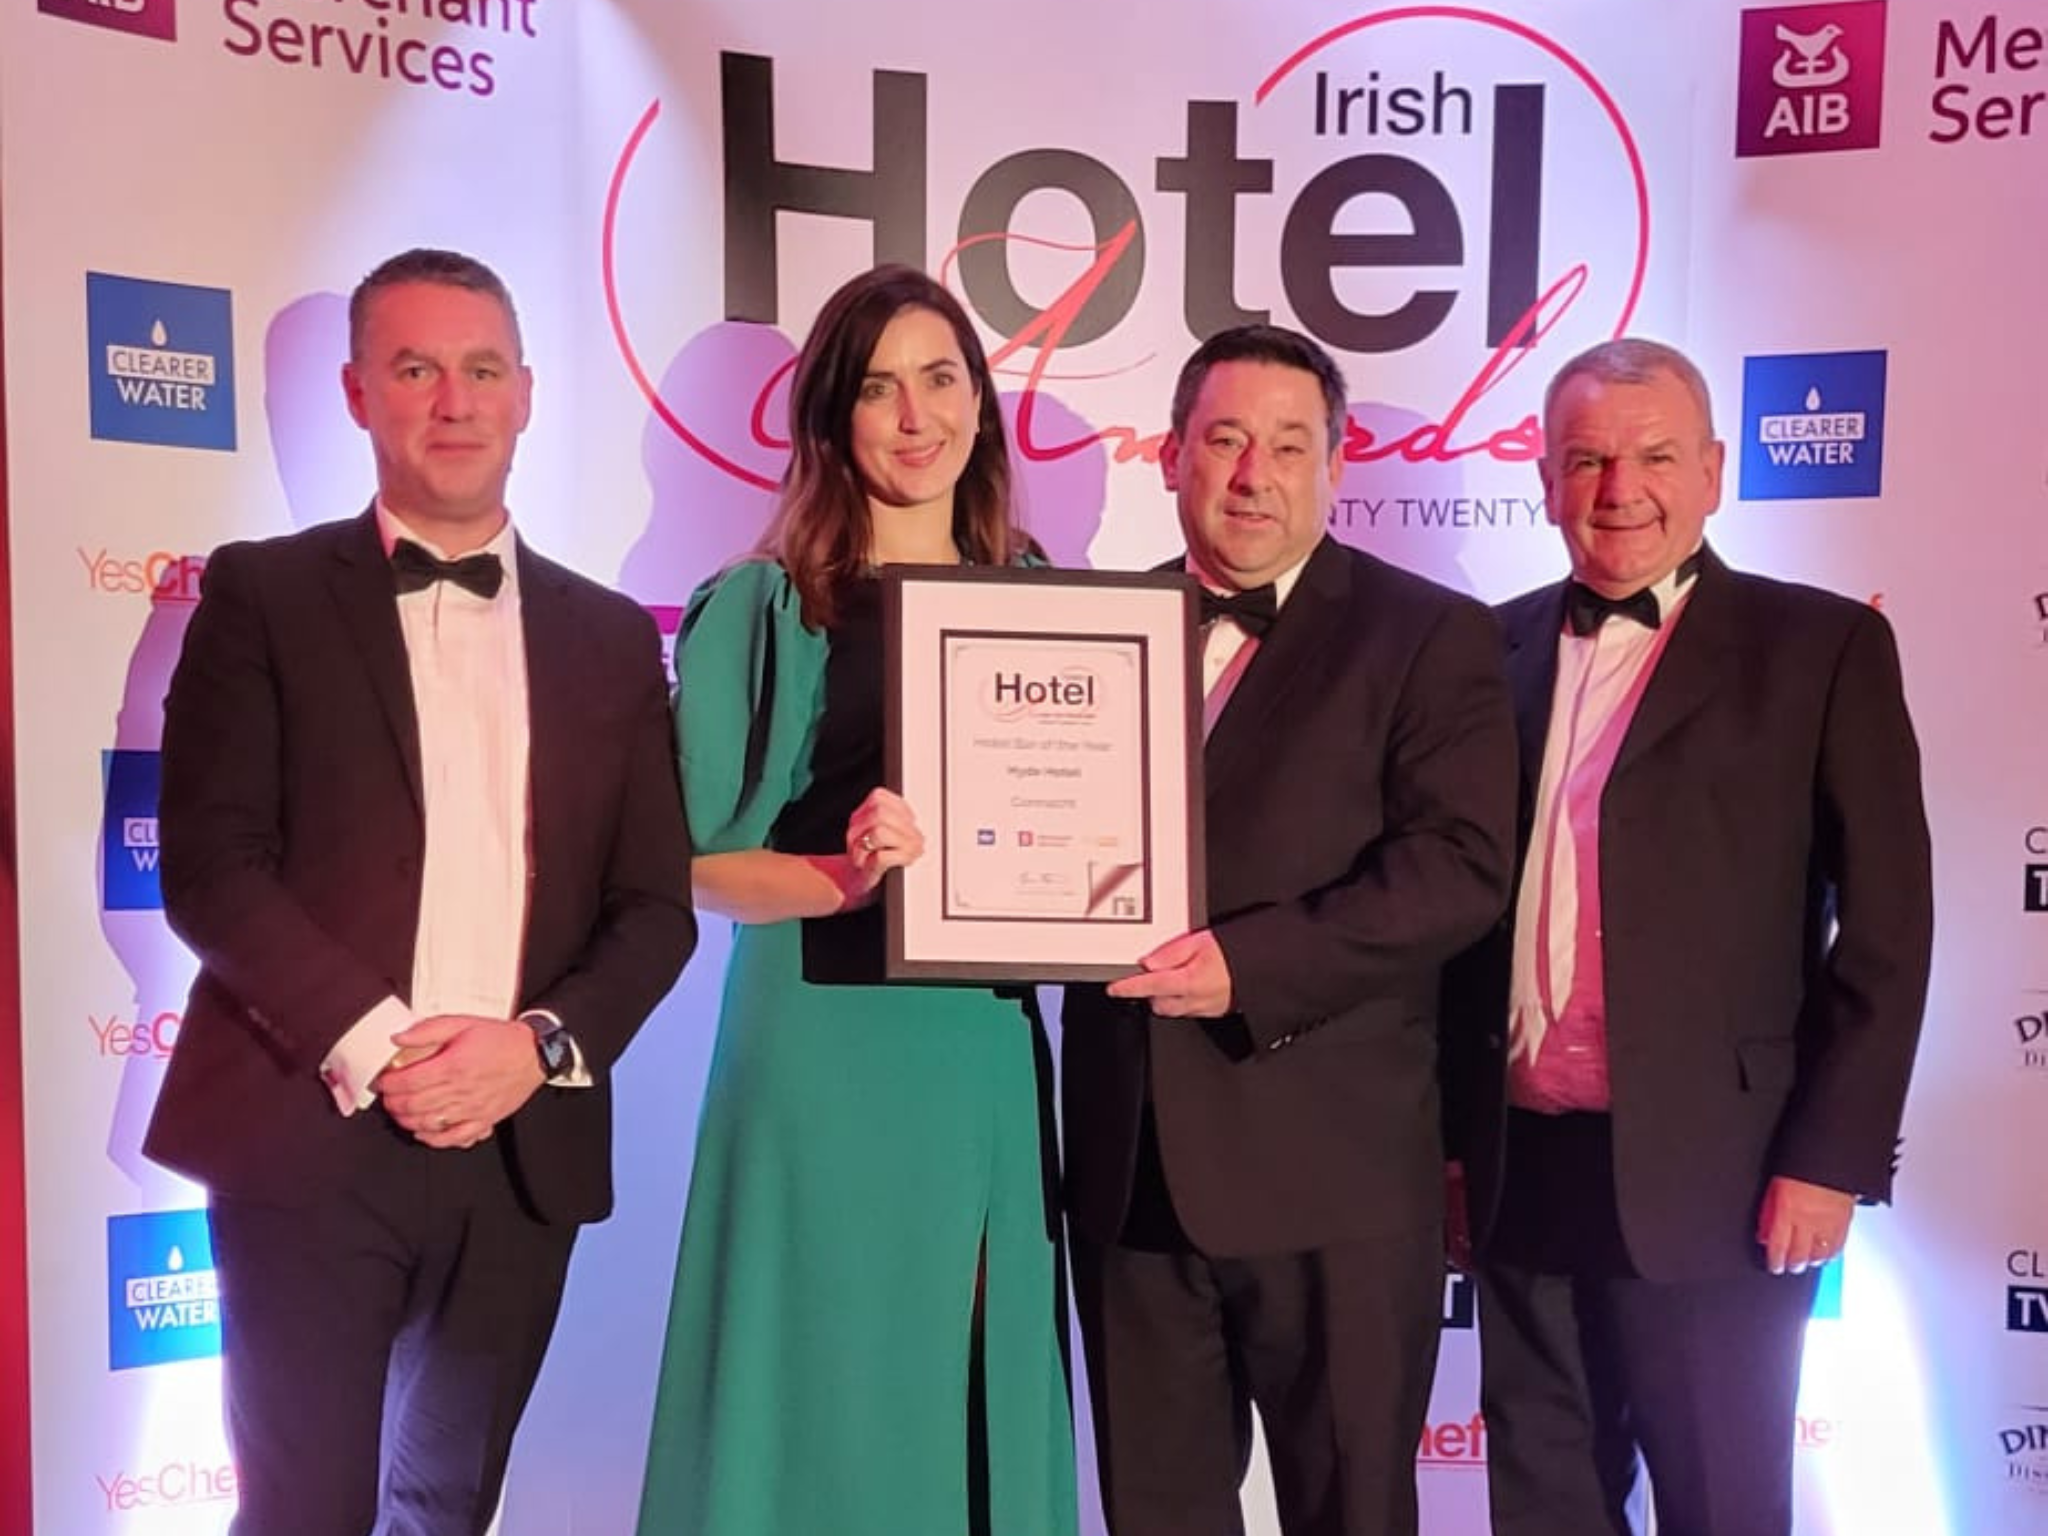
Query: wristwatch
557, 1048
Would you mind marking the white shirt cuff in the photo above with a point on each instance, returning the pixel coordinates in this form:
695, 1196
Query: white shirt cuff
360, 1054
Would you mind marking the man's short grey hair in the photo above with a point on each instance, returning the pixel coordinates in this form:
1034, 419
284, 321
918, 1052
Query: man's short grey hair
1633, 360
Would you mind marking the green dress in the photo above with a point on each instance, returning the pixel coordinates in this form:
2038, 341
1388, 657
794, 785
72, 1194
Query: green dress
865, 1153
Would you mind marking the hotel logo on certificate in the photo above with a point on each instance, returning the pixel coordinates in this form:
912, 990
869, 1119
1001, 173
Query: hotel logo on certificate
1039, 725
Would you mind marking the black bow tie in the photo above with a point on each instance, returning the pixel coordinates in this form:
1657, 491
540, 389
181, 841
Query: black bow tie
1586, 610
1252, 610
417, 570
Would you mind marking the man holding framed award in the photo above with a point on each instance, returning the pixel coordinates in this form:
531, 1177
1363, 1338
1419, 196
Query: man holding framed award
1254, 1156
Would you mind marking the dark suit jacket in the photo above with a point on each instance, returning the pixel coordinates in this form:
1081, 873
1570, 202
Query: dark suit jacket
292, 840
1360, 799
1766, 913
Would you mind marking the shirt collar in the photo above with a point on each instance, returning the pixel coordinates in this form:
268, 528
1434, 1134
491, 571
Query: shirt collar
1677, 582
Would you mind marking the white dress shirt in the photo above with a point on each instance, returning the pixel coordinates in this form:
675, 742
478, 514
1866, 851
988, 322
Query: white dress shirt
1557, 1008
1226, 649
467, 659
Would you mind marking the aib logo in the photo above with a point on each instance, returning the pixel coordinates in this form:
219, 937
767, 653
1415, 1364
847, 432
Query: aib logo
128, 874
162, 362
1812, 78
145, 18
1813, 425
163, 1303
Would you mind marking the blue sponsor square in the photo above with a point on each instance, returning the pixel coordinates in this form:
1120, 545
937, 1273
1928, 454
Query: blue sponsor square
1813, 426
128, 851
163, 1303
161, 357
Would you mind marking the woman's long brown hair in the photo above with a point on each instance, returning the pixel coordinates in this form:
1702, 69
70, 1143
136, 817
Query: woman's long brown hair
823, 530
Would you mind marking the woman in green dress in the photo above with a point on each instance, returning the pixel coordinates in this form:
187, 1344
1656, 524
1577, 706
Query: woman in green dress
865, 1337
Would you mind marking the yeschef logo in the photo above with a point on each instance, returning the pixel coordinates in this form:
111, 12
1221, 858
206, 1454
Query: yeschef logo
172, 1485
145, 18
1812, 425
162, 575
2035, 898
1814, 1432
1811, 79
2024, 1445
162, 362
2026, 1294
1454, 1443
119, 1038
128, 852
163, 1303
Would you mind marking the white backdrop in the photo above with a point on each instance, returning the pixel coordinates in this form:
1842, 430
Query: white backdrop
1845, 227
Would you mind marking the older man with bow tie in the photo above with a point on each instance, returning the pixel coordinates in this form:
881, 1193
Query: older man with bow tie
1682, 1063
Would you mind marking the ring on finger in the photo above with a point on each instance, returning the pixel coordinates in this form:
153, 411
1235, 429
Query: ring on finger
867, 842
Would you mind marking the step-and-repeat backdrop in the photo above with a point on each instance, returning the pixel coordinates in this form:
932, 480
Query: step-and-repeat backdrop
1840, 208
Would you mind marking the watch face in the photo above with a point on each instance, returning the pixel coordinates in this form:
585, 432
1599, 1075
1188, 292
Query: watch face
555, 1056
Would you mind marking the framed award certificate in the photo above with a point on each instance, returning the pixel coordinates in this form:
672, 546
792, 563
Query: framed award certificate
1045, 726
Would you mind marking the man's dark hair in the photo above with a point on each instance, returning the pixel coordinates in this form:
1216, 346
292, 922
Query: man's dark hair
451, 269
1262, 344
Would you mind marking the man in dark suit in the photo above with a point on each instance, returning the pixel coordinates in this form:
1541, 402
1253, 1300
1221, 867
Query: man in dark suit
1686, 1058
1252, 1120
420, 824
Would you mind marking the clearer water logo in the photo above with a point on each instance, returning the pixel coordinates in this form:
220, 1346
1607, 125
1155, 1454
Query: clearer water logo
128, 847
163, 1302
162, 362
1813, 425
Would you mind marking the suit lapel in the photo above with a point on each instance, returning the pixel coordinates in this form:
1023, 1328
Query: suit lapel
1303, 631
1696, 662
363, 591
1531, 634
552, 671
